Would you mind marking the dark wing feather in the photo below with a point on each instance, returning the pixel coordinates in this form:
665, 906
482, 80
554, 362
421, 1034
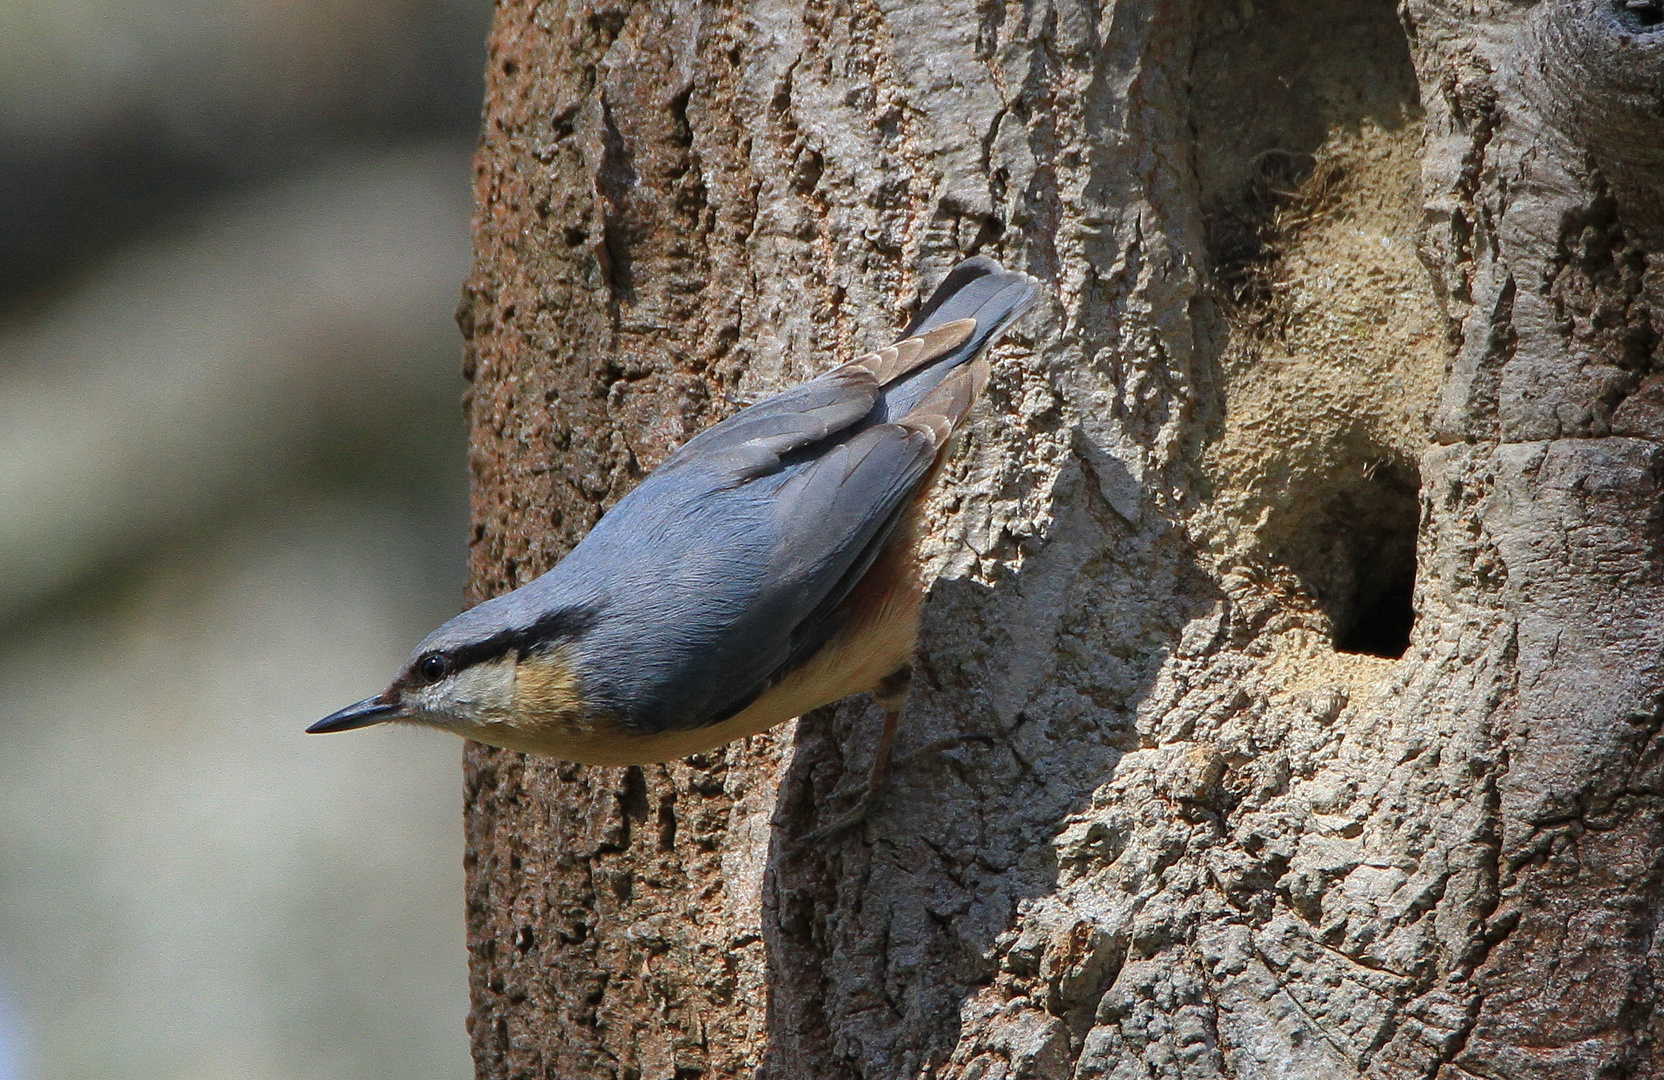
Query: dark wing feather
751, 442
838, 515
871, 496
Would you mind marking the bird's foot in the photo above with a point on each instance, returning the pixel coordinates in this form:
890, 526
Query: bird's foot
873, 791
936, 746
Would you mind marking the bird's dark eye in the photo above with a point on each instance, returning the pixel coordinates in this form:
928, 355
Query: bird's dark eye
433, 667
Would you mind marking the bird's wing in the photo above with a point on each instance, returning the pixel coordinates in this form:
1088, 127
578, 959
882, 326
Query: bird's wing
811, 529
858, 495
814, 521
751, 442
817, 482
834, 512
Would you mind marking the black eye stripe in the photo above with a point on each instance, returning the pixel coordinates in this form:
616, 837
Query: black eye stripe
557, 626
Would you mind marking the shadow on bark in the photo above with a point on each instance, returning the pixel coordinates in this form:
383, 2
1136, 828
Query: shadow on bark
876, 938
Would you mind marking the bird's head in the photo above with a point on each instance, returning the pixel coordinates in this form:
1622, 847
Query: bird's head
489, 674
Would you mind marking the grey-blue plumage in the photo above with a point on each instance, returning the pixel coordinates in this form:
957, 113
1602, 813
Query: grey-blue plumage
731, 565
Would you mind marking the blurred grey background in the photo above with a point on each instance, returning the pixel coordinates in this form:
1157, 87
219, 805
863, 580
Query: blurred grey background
232, 496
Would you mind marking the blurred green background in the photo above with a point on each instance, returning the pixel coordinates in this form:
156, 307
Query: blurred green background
232, 496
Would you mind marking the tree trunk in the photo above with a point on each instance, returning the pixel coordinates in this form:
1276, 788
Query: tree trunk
1344, 314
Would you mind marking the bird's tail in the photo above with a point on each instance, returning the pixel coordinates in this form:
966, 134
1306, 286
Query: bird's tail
978, 288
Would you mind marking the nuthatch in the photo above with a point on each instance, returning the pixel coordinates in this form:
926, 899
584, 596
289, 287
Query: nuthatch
767, 568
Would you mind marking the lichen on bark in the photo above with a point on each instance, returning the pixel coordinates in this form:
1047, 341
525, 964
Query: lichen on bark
1335, 304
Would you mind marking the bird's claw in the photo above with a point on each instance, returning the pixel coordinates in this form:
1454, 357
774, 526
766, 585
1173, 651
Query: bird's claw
876, 787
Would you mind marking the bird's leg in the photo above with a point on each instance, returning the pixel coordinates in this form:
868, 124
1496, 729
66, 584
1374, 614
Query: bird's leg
891, 696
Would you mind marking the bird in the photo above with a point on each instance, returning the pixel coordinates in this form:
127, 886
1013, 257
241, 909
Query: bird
768, 567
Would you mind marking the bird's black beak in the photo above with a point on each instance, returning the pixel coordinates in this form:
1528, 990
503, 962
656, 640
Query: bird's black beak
363, 714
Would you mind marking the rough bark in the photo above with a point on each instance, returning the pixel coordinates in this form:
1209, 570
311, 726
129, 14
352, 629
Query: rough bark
1329, 305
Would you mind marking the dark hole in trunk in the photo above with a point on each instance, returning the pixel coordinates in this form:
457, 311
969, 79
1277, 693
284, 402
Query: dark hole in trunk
1382, 623
1351, 539
1372, 597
